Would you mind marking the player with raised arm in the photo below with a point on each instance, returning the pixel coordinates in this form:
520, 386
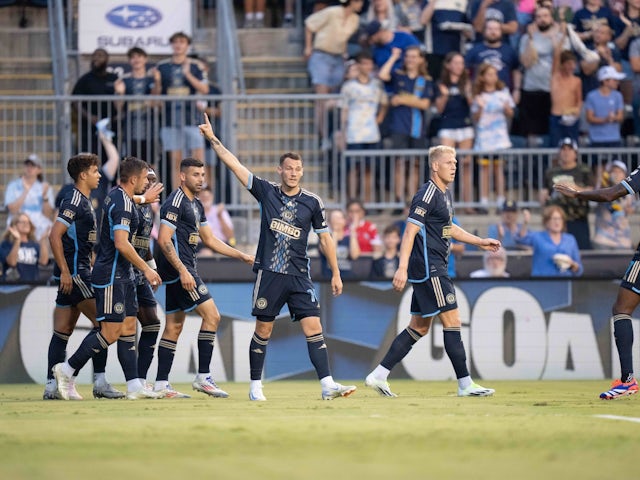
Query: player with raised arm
424, 256
628, 296
288, 214
72, 239
183, 224
113, 284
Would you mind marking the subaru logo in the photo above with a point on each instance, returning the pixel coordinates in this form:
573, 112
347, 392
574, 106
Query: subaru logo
134, 16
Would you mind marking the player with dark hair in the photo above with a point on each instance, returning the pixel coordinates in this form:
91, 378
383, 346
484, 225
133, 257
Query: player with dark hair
183, 223
628, 297
424, 253
72, 238
282, 264
113, 283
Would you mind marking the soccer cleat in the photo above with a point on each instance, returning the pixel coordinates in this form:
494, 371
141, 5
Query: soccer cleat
62, 381
143, 393
620, 389
51, 390
475, 390
256, 395
73, 393
106, 390
169, 392
208, 386
338, 391
380, 386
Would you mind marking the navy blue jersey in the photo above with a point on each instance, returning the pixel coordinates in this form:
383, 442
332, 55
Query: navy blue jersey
285, 225
142, 237
184, 217
408, 120
135, 112
77, 214
174, 83
456, 113
439, 37
28, 257
97, 195
503, 58
431, 210
119, 213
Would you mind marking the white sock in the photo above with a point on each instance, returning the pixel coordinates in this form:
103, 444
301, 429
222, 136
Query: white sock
99, 378
134, 385
328, 382
255, 385
381, 373
259, 15
249, 16
464, 382
160, 385
68, 370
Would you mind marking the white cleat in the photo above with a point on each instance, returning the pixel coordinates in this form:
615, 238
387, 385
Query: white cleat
256, 395
51, 390
143, 393
209, 387
169, 392
338, 391
62, 381
73, 393
380, 386
475, 390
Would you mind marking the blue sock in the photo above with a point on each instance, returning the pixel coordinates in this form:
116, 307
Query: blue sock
206, 341
400, 347
257, 354
99, 359
318, 355
166, 352
455, 351
92, 344
57, 351
128, 356
623, 333
146, 347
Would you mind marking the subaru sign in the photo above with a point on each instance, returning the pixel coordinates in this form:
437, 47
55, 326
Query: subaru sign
117, 25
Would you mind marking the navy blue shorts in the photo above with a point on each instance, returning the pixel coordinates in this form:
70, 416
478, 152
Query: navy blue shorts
272, 290
82, 290
144, 293
631, 278
433, 296
117, 301
178, 299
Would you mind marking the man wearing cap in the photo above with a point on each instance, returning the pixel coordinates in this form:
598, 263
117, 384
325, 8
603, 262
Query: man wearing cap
384, 41
494, 265
568, 171
605, 109
508, 227
31, 195
502, 10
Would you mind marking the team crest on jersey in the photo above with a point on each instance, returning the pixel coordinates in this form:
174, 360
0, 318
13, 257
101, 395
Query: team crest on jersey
70, 214
93, 236
421, 212
261, 303
118, 308
446, 231
288, 215
202, 289
451, 299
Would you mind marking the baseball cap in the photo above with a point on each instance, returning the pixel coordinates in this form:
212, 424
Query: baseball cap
509, 206
607, 72
373, 27
617, 163
569, 142
34, 159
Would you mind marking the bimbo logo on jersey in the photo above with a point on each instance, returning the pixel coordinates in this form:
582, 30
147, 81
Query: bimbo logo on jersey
134, 16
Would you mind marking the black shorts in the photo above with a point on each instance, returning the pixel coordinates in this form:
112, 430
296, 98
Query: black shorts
144, 294
400, 141
433, 296
272, 290
116, 302
178, 299
534, 112
82, 290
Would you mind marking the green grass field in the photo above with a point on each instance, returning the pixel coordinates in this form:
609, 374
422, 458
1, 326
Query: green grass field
528, 430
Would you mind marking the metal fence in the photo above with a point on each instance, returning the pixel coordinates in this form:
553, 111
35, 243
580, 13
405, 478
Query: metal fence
262, 127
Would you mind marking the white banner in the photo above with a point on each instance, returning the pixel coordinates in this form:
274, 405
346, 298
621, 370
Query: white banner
118, 25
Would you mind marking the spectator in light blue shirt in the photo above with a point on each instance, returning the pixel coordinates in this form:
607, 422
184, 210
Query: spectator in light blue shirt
555, 252
605, 109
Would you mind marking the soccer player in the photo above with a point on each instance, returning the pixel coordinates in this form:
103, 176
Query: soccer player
628, 297
72, 238
147, 314
424, 253
288, 214
183, 223
113, 283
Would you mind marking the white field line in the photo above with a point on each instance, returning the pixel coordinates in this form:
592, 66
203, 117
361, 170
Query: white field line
618, 417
